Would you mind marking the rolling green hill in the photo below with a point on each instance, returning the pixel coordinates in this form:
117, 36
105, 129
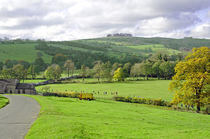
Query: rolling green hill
21, 51
113, 49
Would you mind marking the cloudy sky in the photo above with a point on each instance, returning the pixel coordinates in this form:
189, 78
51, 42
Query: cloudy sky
79, 19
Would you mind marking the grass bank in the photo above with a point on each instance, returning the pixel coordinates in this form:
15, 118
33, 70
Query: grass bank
102, 119
3, 101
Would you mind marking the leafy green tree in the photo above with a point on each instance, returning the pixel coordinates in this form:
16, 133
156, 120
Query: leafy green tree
119, 75
167, 69
127, 69
20, 72
39, 65
53, 72
156, 69
7, 73
31, 71
97, 70
106, 71
165, 57
146, 69
10, 63
192, 79
136, 70
24, 63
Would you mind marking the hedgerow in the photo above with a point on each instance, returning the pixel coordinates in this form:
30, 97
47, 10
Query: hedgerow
158, 102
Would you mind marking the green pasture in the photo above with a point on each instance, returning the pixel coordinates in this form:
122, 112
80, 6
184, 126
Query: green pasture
154, 48
147, 89
3, 101
106, 119
24, 51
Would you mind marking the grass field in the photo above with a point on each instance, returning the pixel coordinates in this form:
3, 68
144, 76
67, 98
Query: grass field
155, 48
3, 101
106, 119
25, 51
147, 89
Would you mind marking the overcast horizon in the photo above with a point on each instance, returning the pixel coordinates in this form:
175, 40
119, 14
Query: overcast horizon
82, 19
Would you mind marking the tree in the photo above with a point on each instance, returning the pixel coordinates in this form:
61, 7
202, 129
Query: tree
31, 71
106, 71
192, 79
39, 65
115, 66
136, 70
119, 75
10, 63
97, 69
84, 71
167, 69
19, 72
69, 65
53, 72
24, 63
165, 57
146, 69
156, 69
1, 65
59, 59
7, 73
127, 69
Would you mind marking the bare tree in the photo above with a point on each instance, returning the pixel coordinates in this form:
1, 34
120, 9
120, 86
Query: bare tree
69, 65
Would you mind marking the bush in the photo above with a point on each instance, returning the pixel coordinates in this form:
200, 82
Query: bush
158, 102
62, 94
86, 96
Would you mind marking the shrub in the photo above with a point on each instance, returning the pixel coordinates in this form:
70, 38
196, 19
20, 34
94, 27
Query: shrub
67, 94
86, 96
158, 102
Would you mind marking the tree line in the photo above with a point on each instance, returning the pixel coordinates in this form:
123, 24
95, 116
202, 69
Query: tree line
158, 65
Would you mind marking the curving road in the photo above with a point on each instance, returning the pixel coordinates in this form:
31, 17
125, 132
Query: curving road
17, 117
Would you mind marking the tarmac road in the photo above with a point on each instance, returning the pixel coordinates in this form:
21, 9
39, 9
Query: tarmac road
17, 117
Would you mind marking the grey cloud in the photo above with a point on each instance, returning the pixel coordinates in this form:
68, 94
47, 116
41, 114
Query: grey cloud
21, 12
180, 5
35, 22
85, 17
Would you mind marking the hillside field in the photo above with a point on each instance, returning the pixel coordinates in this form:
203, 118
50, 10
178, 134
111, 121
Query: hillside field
24, 51
87, 51
147, 89
107, 119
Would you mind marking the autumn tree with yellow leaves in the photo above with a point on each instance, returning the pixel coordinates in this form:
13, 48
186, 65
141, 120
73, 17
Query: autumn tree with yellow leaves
191, 83
119, 75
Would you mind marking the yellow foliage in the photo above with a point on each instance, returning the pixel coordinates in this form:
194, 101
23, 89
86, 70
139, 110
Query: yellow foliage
86, 96
192, 79
118, 75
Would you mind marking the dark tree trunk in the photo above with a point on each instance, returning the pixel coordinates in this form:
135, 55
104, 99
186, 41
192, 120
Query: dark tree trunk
198, 108
68, 72
198, 90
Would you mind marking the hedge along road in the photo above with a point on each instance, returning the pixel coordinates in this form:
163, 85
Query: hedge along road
17, 117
